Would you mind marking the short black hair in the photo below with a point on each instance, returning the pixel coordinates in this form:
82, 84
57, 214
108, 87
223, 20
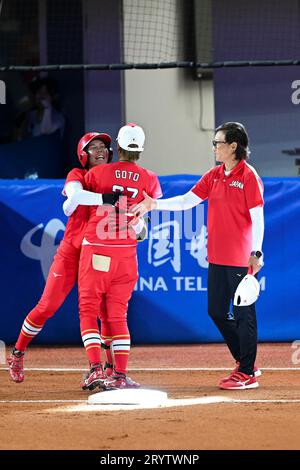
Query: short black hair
236, 132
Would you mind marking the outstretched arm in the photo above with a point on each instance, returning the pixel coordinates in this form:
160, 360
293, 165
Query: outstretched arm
177, 203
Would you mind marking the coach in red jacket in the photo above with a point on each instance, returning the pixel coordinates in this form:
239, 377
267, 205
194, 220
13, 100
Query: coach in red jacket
235, 234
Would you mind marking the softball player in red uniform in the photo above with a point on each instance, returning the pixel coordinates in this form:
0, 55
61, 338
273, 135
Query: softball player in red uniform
108, 261
93, 150
235, 235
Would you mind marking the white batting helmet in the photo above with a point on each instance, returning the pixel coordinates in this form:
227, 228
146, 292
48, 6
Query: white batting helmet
247, 291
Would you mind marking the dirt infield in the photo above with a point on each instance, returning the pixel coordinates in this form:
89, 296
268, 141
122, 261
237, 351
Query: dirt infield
264, 418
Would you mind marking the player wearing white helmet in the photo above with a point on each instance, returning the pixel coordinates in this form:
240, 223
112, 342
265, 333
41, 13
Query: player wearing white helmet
108, 263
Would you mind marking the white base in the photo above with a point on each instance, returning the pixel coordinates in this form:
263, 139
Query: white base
129, 396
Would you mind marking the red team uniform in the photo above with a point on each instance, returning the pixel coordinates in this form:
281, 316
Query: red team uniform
108, 265
229, 200
63, 272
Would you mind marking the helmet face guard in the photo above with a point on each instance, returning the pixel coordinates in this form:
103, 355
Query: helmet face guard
86, 139
247, 291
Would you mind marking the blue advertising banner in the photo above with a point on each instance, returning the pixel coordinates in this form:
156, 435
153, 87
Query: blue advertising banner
169, 304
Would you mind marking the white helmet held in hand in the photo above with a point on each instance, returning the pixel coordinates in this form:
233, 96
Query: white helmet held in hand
247, 291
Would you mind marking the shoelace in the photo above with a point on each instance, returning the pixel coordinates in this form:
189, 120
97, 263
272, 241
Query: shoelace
91, 371
94, 367
239, 376
17, 363
115, 376
118, 376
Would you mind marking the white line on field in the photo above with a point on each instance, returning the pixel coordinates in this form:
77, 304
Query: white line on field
84, 406
152, 369
169, 403
43, 401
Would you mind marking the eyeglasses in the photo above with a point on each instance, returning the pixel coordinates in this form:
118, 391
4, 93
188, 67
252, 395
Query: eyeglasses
95, 148
216, 143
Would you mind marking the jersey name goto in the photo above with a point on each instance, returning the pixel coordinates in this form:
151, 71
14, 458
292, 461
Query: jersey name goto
127, 175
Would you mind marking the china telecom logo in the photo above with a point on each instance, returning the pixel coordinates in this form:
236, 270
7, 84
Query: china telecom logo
44, 252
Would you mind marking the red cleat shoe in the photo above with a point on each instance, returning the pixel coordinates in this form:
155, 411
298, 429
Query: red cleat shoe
119, 381
257, 372
239, 381
15, 363
94, 378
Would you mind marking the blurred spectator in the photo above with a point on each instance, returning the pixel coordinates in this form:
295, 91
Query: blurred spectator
45, 116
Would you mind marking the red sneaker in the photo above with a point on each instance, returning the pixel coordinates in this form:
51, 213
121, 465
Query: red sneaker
239, 381
16, 369
94, 378
119, 381
257, 372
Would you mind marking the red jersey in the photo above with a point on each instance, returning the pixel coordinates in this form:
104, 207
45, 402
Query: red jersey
109, 225
228, 221
77, 221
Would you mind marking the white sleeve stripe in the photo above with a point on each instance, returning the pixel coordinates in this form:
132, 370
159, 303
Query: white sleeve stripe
257, 179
